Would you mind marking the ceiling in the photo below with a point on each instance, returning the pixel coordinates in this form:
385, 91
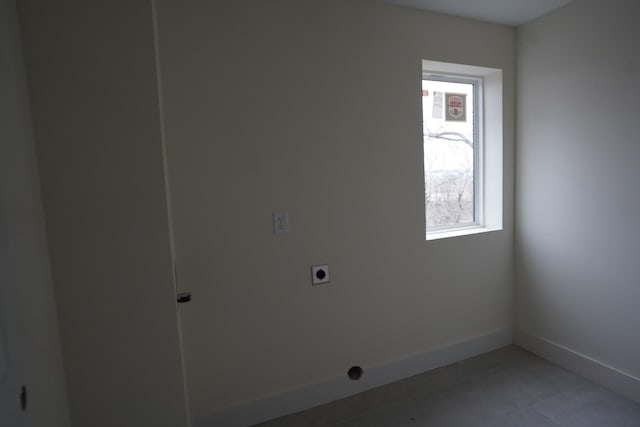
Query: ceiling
508, 12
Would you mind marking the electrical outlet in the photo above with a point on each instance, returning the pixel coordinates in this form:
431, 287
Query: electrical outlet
281, 222
319, 274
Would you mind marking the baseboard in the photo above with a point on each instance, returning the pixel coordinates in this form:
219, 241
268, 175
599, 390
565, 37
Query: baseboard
297, 400
600, 373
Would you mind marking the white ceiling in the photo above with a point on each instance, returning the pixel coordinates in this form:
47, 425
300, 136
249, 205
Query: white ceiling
509, 12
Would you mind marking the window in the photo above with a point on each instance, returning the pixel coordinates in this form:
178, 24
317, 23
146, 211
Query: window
452, 147
462, 156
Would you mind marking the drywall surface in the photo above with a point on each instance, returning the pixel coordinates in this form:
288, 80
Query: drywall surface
578, 150
92, 77
29, 336
314, 108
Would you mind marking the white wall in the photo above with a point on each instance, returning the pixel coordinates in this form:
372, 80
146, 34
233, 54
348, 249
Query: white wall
314, 107
93, 86
29, 337
578, 283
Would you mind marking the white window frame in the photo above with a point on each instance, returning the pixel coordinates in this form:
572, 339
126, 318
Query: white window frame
477, 83
488, 145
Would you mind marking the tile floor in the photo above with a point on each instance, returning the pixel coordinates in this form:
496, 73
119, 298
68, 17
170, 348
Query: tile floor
506, 387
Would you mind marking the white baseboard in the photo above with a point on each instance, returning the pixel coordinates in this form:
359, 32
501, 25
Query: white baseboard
297, 400
600, 373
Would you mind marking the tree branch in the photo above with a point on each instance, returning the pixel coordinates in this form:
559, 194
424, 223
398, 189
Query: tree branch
450, 136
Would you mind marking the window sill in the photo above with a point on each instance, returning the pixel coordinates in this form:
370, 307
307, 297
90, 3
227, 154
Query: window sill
437, 235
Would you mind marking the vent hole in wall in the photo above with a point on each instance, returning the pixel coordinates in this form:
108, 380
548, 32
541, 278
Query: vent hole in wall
355, 373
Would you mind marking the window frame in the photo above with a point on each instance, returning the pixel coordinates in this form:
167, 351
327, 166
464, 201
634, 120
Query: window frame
488, 155
476, 83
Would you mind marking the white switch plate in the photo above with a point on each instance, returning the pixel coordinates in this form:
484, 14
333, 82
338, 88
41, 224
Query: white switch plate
281, 222
319, 274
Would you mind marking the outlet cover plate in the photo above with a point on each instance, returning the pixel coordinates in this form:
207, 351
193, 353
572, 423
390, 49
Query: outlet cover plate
280, 222
319, 274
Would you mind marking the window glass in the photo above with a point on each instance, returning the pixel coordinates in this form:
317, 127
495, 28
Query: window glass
450, 153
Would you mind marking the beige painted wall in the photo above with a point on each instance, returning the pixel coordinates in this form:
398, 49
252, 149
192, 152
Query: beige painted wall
29, 336
577, 204
314, 107
93, 87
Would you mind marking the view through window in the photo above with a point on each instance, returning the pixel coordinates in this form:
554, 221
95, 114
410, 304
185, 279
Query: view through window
451, 152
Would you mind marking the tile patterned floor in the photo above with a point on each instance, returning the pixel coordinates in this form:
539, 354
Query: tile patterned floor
504, 388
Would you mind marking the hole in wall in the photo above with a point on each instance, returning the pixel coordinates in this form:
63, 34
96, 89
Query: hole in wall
355, 373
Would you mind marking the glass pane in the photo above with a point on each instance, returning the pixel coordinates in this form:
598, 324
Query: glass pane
447, 110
